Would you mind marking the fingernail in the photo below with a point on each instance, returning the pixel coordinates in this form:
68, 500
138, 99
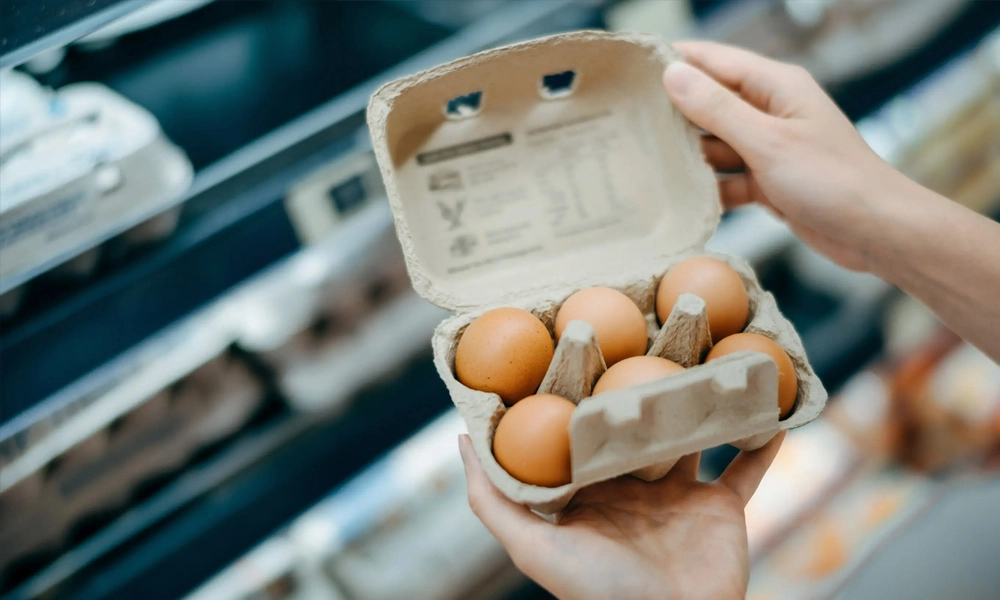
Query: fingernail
679, 77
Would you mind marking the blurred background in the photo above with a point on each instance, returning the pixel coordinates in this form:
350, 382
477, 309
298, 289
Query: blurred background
216, 381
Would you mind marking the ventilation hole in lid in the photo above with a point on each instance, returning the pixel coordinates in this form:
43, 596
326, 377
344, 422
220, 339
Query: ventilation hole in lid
465, 106
558, 85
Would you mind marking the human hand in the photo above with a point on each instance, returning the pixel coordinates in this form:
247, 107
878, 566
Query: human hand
798, 153
627, 538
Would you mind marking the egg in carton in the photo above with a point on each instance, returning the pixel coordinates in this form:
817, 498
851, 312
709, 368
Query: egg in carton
522, 174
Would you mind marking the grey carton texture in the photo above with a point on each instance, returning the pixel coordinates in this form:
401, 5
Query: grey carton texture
540, 196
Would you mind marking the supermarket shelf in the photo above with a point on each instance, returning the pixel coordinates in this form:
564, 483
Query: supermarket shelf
244, 76
412, 500
238, 497
29, 28
239, 212
255, 486
388, 339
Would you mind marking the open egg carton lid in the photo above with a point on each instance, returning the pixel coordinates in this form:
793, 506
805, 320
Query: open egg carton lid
557, 166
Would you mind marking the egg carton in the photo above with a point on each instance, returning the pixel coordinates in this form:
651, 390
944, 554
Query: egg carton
520, 175
99, 476
77, 168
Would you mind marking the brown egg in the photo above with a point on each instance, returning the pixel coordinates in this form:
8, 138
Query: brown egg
713, 281
505, 351
635, 371
531, 441
788, 381
618, 323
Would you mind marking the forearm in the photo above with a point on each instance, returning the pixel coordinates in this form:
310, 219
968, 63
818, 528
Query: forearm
944, 255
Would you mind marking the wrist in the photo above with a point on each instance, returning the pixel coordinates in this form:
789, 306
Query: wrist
904, 221
885, 220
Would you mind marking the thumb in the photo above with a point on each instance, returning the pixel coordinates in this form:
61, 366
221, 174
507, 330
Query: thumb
714, 108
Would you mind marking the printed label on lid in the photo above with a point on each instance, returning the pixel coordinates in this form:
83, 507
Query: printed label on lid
532, 191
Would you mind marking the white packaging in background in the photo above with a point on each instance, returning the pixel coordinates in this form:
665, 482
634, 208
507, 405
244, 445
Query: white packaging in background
76, 168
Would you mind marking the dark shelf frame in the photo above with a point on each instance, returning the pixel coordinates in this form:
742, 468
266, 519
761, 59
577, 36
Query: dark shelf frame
30, 27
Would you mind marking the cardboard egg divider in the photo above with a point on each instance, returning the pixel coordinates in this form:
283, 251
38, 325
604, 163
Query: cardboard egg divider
647, 201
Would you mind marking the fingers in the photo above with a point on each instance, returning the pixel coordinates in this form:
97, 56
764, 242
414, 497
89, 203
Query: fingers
738, 190
715, 108
761, 81
744, 474
721, 155
734, 191
514, 526
687, 467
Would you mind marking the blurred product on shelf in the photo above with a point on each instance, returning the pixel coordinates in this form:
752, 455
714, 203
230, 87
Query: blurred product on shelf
340, 335
908, 325
78, 166
813, 461
863, 413
946, 401
342, 314
24, 108
325, 199
834, 541
672, 20
319, 368
945, 131
836, 40
401, 528
932, 403
63, 478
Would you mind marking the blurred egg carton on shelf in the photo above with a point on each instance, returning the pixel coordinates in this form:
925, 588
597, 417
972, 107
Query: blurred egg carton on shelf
322, 367
400, 529
78, 166
65, 474
341, 314
271, 571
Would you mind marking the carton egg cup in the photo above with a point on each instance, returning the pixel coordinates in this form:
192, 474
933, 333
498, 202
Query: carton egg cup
520, 175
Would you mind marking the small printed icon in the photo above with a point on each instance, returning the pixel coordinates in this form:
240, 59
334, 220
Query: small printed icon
445, 180
452, 213
463, 245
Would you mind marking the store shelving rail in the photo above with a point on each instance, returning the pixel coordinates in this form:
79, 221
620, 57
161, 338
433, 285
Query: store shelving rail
29, 28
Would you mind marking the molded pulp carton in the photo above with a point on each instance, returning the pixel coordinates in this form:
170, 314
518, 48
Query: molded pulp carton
523, 174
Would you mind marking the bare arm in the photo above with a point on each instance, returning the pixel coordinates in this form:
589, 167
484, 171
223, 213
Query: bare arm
802, 158
946, 256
